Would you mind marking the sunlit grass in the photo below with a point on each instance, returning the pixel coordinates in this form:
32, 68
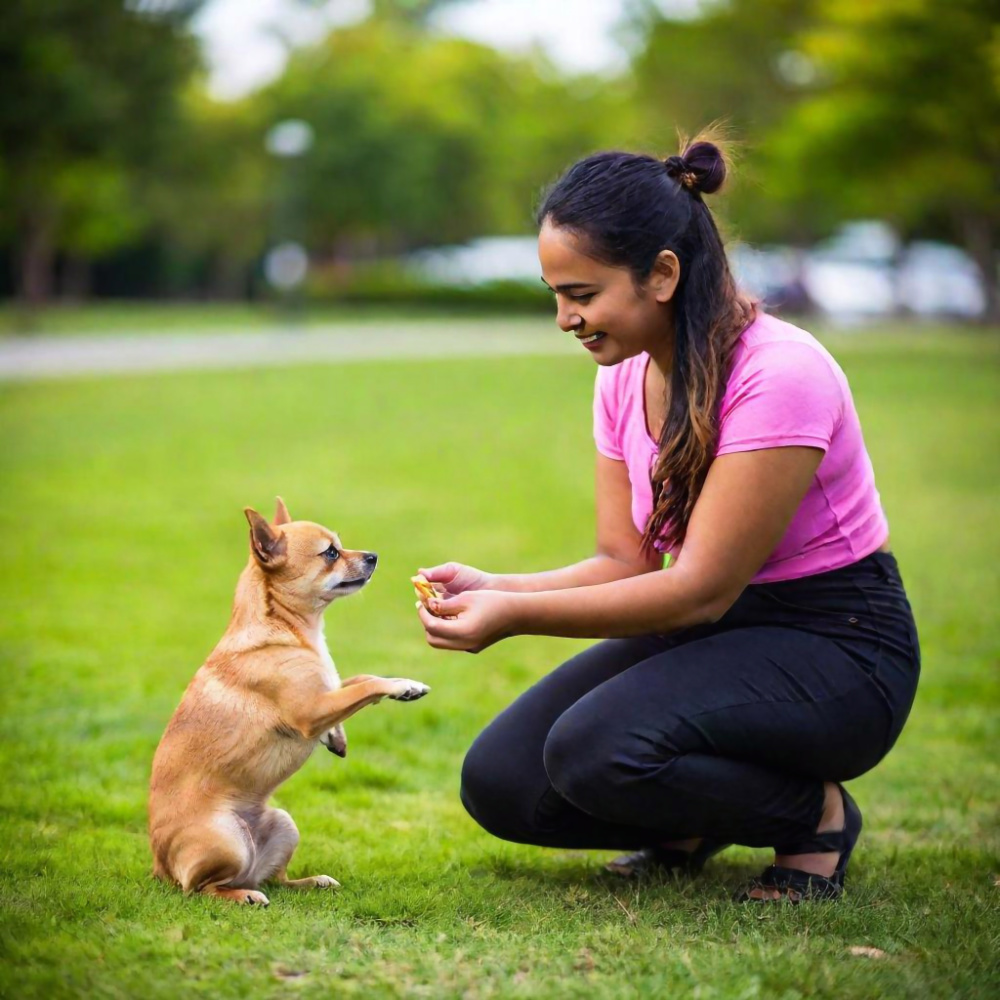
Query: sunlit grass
120, 513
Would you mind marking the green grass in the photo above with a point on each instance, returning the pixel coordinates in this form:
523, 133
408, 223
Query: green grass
122, 537
118, 318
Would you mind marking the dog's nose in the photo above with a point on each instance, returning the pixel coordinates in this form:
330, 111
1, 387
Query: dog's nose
371, 558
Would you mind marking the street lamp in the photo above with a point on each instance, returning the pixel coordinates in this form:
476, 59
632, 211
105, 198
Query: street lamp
286, 263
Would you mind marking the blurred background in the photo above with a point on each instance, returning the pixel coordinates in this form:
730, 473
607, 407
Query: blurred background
332, 156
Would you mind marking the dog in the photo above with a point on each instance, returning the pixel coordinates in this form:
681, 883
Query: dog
254, 712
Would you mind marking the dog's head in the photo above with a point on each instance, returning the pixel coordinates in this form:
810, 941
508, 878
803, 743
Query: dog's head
304, 562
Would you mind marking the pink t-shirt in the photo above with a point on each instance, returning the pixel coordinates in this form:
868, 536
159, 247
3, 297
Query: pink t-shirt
785, 389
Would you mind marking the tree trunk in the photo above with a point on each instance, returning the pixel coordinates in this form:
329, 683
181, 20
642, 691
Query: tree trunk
227, 279
980, 235
75, 284
36, 258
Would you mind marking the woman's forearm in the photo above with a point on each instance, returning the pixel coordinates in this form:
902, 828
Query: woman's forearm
662, 602
590, 572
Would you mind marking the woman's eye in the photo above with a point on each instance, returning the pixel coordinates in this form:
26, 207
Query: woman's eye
331, 553
583, 299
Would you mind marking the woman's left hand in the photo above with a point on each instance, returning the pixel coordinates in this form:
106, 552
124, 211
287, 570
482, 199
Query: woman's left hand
476, 620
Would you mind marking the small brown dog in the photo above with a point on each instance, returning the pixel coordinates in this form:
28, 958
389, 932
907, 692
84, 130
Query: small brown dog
253, 714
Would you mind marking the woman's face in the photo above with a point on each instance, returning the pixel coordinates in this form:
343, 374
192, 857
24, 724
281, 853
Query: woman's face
601, 305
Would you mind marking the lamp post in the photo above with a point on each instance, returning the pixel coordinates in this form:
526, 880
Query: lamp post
286, 263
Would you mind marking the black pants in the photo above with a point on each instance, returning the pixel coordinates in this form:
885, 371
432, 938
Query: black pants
725, 731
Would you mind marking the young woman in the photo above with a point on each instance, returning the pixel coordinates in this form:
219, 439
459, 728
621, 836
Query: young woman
776, 656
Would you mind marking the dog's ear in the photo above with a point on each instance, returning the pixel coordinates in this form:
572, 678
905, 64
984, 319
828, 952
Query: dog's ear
281, 515
267, 545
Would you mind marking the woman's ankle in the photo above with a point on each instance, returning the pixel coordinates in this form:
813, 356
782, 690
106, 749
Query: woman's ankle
833, 809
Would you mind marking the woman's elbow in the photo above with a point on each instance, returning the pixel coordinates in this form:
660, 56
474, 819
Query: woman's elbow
715, 607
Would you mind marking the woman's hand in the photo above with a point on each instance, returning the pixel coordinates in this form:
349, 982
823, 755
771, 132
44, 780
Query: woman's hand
474, 620
454, 578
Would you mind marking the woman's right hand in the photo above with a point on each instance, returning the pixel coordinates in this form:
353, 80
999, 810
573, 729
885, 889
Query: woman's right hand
455, 578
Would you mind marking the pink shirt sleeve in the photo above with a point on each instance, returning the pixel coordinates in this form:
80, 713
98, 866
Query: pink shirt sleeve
783, 393
606, 406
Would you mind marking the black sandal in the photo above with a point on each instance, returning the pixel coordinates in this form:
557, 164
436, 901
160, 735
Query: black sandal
796, 885
656, 860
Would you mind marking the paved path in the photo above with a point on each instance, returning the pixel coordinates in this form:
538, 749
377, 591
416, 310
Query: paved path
31, 357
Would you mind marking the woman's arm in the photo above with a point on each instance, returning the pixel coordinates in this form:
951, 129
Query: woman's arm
617, 555
744, 509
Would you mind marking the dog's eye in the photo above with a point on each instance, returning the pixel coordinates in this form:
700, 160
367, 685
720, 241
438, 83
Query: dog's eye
331, 553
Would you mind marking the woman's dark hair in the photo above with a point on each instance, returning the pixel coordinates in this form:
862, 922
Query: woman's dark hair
627, 208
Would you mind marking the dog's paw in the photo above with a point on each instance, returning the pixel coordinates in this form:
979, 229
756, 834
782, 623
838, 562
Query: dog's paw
251, 897
407, 690
311, 882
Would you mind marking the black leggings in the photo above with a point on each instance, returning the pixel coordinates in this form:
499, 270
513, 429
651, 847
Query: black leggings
725, 731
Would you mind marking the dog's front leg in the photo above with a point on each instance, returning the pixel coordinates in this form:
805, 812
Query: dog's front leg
336, 706
336, 739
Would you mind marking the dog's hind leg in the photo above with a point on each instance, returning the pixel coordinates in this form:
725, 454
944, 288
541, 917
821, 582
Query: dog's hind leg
217, 858
276, 837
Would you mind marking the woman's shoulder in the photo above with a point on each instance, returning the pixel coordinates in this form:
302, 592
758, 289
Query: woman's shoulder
769, 346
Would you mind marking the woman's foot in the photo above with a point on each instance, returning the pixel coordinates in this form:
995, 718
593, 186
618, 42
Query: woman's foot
687, 857
796, 874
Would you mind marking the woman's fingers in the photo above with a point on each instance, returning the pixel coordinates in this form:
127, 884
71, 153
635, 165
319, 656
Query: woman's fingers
444, 633
433, 625
444, 573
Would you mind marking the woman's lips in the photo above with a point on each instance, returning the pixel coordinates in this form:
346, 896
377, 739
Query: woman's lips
591, 344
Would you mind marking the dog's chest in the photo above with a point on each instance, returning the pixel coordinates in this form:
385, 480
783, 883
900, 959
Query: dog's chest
328, 667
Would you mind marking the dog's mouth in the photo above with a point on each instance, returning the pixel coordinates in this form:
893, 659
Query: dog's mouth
355, 584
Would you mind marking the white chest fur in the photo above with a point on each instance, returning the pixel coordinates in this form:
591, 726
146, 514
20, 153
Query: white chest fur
333, 681
330, 669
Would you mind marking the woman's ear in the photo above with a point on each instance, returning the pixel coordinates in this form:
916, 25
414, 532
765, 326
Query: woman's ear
663, 279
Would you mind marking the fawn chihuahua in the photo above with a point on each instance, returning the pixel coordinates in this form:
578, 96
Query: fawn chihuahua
253, 714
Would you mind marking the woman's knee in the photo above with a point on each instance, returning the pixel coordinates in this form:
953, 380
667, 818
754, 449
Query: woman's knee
496, 792
584, 760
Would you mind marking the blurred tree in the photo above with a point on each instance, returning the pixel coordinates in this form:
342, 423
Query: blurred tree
738, 62
421, 138
735, 61
90, 92
415, 12
847, 108
208, 198
903, 123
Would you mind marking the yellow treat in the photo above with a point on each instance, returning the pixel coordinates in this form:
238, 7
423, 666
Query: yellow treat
426, 590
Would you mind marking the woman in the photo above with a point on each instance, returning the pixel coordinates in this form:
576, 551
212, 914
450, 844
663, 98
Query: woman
776, 656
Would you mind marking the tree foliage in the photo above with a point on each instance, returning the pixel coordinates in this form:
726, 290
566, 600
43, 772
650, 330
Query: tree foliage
841, 109
90, 99
421, 138
904, 123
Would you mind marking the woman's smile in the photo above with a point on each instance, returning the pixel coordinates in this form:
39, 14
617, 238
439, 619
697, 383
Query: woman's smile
591, 341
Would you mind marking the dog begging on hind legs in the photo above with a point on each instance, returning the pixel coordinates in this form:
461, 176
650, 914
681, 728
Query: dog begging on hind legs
253, 713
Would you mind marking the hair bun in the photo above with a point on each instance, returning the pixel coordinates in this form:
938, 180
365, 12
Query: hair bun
701, 168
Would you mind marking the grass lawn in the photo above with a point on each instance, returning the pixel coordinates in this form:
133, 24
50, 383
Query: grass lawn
117, 318
120, 511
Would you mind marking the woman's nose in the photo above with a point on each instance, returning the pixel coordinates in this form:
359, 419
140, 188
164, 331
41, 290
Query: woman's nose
568, 319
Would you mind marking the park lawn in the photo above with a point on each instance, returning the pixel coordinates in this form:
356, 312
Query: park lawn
128, 318
120, 511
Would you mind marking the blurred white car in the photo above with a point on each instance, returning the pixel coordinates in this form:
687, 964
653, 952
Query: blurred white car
864, 271
489, 258
935, 279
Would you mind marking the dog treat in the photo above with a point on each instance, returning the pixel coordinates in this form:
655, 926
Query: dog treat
428, 592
